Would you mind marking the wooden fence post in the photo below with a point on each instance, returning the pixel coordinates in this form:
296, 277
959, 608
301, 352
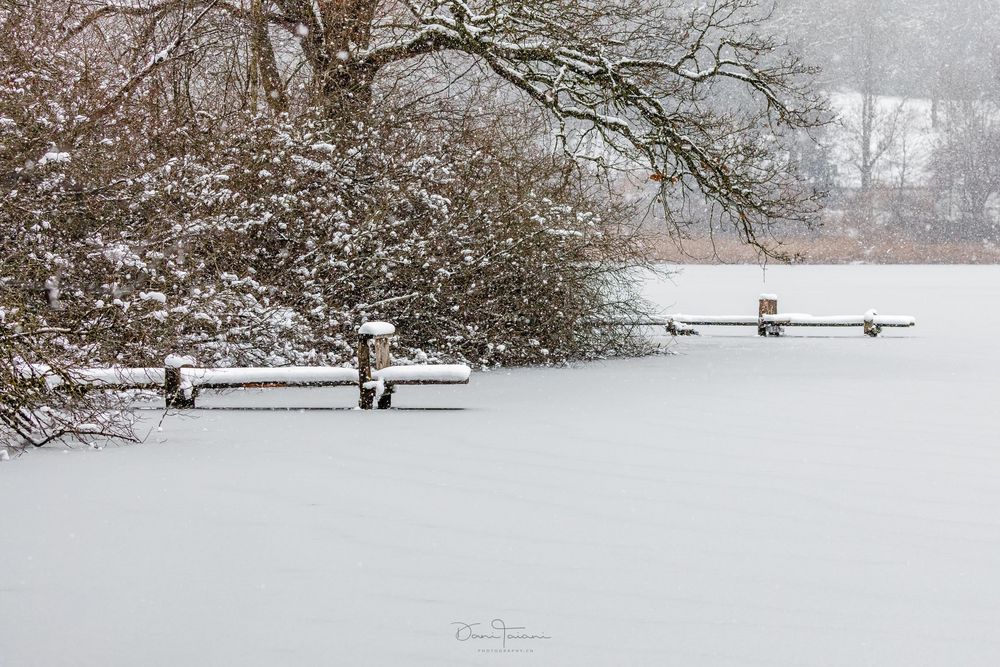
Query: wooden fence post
367, 399
768, 306
380, 333
383, 360
871, 329
173, 384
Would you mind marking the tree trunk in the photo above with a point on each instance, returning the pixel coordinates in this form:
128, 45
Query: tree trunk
343, 87
867, 127
869, 101
263, 66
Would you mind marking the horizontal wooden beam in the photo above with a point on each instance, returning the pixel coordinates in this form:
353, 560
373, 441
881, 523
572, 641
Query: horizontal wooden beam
426, 382
273, 385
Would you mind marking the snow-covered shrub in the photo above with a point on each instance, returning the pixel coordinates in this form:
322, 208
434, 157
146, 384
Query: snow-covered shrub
292, 233
132, 227
53, 317
40, 400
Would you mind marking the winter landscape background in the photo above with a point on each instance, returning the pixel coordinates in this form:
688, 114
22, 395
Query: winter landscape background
525, 189
910, 159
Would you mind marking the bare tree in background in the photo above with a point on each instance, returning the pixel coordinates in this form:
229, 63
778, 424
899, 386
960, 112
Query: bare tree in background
967, 165
872, 29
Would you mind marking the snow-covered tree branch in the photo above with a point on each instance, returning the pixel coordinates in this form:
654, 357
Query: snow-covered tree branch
697, 96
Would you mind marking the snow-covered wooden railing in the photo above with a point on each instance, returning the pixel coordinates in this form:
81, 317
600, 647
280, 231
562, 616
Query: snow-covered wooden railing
378, 381
770, 323
180, 378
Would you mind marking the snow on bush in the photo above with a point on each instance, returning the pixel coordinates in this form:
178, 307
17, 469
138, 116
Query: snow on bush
266, 241
291, 234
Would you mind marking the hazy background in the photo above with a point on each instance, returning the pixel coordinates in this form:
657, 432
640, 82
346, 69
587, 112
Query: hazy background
911, 160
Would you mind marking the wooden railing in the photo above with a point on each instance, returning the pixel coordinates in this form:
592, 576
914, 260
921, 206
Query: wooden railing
770, 323
181, 379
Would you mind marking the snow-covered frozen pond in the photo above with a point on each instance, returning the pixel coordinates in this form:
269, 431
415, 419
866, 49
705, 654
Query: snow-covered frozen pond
818, 499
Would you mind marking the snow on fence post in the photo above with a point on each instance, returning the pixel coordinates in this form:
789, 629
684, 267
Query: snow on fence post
768, 306
175, 393
380, 332
871, 329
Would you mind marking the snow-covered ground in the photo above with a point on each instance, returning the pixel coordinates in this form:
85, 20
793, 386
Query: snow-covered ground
818, 499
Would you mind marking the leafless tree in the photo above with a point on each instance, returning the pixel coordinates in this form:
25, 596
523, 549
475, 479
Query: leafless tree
966, 164
41, 400
642, 80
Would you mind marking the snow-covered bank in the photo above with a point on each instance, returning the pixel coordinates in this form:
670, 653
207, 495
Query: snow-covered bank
818, 499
